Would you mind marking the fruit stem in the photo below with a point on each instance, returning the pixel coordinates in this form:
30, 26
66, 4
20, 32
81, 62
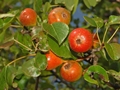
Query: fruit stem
107, 26
15, 60
98, 37
113, 34
22, 45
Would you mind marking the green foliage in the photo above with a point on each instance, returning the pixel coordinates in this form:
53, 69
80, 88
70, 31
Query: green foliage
95, 74
22, 49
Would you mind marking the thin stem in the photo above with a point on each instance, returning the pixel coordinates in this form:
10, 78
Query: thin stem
15, 60
16, 26
37, 83
105, 34
22, 45
113, 35
98, 37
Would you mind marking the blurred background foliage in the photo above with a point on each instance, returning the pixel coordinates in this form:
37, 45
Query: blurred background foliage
50, 80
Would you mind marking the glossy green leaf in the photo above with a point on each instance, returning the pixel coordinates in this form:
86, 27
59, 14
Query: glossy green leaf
115, 74
37, 5
97, 72
113, 50
6, 23
40, 61
75, 5
114, 20
99, 22
60, 50
90, 21
22, 82
90, 3
93, 2
10, 74
29, 68
3, 84
58, 31
103, 53
67, 3
86, 2
25, 39
46, 7
95, 21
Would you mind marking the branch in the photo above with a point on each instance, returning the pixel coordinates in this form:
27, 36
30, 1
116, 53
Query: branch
37, 83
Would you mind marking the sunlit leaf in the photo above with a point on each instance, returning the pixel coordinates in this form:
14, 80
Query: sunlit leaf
95, 73
29, 69
75, 5
90, 3
3, 84
115, 74
59, 49
58, 31
40, 61
86, 2
69, 4
113, 50
103, 53
25, 39
99, 22
10, 74
94, 21
114, 20
90, 21
37, 5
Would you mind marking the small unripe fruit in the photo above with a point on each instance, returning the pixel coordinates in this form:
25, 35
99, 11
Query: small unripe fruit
71, 71
28, 17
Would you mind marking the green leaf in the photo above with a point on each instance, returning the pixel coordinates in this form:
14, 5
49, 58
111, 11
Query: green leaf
60, 50
75, 5
69, 4
25, 39
90, 3
58, 31
86, 2
6, 23
95, 21
3, 84
1, 23
90, 21
98, 72
40, 61
29, 69
99, 22
2, 35
6, 44
10, 74
113, 50
37, 5
93, 2
114, 20
103, 53
115, 74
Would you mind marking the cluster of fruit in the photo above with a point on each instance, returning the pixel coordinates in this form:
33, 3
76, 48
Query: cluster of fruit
80, 40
